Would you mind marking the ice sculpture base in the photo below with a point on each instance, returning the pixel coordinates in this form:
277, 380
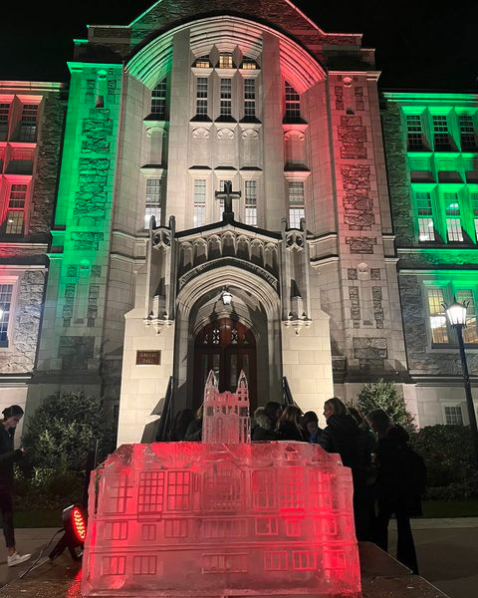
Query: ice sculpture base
210, 520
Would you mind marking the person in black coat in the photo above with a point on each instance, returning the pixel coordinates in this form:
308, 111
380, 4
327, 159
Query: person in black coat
265, 422
288, 426
8, 456
310, 427
395, 487
342, 435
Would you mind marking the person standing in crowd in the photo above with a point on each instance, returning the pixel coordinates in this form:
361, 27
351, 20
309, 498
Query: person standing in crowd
194, 431
288, 426
266, 422
342, 436
181, 423
310, 427
8, 456
401, 472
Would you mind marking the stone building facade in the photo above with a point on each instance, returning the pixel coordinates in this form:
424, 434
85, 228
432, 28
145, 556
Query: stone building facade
244, 152
31, 128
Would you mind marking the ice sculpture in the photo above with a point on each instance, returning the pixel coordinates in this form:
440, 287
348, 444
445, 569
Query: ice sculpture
220, 519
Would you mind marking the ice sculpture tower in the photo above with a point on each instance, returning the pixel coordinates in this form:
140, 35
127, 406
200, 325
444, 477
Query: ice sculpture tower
226, 415
218, 518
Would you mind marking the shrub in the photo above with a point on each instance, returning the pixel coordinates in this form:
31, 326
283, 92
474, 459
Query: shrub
62, 430
448, 454
47, 489
384, 395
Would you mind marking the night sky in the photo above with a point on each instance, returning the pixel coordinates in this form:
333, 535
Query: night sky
421, 44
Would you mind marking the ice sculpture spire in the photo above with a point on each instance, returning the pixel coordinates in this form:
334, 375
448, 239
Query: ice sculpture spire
226, 415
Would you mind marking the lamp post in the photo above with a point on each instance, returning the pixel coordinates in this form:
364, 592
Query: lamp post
456, 313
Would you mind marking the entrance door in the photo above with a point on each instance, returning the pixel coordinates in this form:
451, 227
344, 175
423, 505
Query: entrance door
226, 347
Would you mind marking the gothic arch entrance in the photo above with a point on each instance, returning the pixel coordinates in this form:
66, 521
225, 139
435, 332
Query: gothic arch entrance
226, 347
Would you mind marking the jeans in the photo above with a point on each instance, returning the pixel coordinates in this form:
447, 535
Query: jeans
6, 510
387, 506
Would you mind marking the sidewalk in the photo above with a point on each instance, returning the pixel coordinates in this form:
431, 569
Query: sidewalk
447, 552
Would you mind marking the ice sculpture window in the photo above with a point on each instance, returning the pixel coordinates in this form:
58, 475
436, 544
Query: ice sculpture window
292, 488
113, 565
176, 528
293, 528
304, 560
148, 532
222, 563
264, 493
223, 489
117, 495
275, 561
225, 528
144, 565
151, 492
116, 531
267, 526
179, 488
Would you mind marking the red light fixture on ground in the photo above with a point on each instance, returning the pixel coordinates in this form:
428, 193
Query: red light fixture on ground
74, 524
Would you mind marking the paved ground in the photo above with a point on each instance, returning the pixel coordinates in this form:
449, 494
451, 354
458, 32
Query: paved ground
447, 551
447, 554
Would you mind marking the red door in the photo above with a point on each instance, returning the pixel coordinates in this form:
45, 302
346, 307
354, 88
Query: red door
226, 347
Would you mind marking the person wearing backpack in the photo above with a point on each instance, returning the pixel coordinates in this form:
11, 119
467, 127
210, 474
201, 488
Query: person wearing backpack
399, 486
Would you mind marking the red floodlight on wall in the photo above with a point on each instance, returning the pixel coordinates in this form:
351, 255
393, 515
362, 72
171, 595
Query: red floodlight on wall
74, 524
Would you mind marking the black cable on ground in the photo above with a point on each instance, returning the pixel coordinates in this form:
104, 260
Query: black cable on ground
32, 566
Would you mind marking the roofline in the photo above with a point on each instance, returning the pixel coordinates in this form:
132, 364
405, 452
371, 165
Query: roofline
417, 96
225, 224
32, 85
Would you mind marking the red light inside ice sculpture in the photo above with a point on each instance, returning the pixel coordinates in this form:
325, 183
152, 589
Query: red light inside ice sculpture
225, 516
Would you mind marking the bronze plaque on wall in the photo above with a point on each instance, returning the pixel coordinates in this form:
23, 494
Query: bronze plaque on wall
148, 357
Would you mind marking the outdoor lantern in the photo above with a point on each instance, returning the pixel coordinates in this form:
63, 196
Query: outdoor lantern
226, 297
74, 524
456, 313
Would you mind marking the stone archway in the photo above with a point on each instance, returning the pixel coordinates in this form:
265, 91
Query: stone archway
255, 308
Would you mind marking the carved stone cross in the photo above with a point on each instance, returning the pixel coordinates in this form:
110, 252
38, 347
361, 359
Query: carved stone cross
228, 195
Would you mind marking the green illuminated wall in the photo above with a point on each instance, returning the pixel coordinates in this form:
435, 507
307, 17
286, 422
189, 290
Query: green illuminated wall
73, 325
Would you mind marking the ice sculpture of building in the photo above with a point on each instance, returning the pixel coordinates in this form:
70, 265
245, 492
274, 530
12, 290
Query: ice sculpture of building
218, 519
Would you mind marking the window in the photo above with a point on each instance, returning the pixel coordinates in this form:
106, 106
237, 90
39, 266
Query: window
224, 563
4, 114
16, 210
225, 61
151, 492
296, 203
178, 491
304, 560
28, 123
438, 327
6, 293
293, 528
292, 103
144, 565
414, 132
251, 203
453, 221
113, 565
453, 416
474, 207
153, 201
467, 132
199, 214
292, 488
264, 495
226, 97
158, 100
426, 227
249, 98
248, 64
440, 132
470, 335
203, 63
267, 526
176, 528
275, 561
201, 96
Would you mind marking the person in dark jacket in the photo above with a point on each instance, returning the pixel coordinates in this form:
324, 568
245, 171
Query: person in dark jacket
265, 420
395, 494
310, 427
180, 425
8, 456
288, 426
343, 436
194, 431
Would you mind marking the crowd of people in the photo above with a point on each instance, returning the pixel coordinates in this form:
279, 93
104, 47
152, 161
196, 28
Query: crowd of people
388, 476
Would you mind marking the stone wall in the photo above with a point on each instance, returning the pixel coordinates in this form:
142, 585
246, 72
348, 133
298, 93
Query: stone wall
19, 357
398, 175
47, 166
